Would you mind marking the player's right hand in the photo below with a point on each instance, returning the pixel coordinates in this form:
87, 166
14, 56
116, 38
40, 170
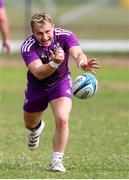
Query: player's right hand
58, 55
7, 46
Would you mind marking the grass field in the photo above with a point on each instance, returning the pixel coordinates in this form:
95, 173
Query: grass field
99, 127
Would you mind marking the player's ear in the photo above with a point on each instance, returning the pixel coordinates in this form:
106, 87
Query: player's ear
32, 30
53, 26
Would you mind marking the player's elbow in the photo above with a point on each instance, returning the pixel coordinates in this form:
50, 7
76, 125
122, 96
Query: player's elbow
38, 75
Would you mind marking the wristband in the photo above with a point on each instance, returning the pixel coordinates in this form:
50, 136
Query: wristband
54, 64
81, 63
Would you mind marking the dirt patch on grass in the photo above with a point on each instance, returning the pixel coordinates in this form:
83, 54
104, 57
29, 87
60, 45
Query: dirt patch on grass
115, 86
11, 62
119, 62
122, 61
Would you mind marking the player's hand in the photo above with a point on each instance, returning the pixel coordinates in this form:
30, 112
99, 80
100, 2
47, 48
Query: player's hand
58, 55
7, 46
91, 65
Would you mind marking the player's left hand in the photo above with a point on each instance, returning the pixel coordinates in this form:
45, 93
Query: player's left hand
91, 64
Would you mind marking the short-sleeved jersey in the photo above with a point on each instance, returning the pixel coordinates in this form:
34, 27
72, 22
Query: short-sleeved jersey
1, 3
31, 50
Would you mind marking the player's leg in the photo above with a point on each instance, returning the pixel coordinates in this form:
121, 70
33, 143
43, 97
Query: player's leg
36, 101
61, 109
35, 125
32, 119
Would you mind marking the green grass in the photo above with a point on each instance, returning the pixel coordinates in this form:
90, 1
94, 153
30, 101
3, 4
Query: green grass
98, 144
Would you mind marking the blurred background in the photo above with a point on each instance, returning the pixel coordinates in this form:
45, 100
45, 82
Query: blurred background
99, 127
88, 19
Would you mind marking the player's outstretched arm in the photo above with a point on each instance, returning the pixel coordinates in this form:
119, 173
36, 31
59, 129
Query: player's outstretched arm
82, 61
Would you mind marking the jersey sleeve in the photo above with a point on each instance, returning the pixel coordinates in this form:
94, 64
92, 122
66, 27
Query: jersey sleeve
71, 40
28, 52
29, 57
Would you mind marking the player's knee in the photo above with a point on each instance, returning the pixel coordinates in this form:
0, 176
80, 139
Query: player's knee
62, 123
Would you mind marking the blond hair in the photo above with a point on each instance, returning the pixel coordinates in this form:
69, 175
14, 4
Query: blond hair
39, 19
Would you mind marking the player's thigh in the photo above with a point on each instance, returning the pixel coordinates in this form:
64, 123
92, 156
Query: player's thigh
61, 107
32, 119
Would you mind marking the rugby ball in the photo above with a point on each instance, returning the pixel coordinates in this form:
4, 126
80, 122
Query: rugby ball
85, 86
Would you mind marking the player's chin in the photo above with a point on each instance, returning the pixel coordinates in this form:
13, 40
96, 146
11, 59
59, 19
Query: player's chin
46, 43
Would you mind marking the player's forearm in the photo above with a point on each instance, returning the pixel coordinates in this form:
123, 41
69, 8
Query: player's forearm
81, 58
4, 31
4, 26
78, 55
43, 71
40, 70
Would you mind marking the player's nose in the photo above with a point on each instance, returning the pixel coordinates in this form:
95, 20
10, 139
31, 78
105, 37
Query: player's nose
45, 37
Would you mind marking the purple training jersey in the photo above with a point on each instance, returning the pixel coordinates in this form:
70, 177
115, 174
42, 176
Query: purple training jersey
31, 50
1, 3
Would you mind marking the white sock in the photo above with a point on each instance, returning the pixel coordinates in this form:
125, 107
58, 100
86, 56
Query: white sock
57, 155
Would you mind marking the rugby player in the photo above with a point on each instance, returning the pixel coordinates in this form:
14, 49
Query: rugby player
46, 53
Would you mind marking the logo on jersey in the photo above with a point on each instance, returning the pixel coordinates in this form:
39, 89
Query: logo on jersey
68, 91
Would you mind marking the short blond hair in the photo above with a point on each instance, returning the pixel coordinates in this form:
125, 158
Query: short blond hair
39, 19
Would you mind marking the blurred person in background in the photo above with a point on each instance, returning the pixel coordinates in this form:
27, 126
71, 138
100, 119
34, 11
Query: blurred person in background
46, 54
4, 28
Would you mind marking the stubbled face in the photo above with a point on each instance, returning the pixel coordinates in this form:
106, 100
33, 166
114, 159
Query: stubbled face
44, 34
